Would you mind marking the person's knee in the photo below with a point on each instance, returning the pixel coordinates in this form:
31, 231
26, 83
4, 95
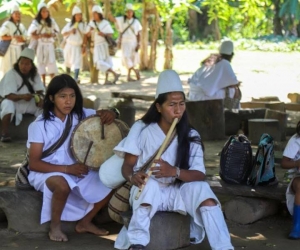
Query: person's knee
58, 184
208, 203
296, 186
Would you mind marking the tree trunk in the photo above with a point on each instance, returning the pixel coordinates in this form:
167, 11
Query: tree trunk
277, 22
144, 39
155, 27
106, 5
168, 45
193, 25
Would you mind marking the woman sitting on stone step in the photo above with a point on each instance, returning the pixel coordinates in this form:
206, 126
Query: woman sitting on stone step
291, 161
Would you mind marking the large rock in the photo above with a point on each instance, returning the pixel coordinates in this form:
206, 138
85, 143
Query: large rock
168, 230
22, 209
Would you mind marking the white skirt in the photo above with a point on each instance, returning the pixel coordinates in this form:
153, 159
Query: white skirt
10, 58
84, 193
130, 58
73, 56
45, 53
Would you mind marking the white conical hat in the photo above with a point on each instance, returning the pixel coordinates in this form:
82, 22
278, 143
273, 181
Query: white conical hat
168, 81
97, 8
41, 5
14, 8
76, 10
129, 6
28, 53
226, 47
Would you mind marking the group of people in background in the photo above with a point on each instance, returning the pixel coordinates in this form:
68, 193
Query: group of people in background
43, 31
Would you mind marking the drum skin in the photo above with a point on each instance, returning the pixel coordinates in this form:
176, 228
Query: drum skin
104, 138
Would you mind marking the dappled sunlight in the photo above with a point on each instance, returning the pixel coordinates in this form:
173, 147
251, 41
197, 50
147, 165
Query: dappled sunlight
111, 237
258, 236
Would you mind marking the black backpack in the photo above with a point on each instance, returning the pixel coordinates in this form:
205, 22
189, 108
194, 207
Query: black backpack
236, 160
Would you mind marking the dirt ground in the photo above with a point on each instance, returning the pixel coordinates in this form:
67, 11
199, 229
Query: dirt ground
262, 74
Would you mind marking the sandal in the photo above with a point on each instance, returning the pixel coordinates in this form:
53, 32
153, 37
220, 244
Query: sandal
5, 138
136, 247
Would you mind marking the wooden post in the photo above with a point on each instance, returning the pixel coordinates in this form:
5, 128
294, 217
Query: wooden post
144, 38
169, 44
155, 27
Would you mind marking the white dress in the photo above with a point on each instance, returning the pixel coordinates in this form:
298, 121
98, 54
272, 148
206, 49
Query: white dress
102, 59
209, 82
9, 85
8, 28
292, 151
162, 194
72, 50
84, 191
45, 51
130, 58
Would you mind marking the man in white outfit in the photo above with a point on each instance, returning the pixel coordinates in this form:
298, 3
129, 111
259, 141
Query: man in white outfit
178, 181
22, 91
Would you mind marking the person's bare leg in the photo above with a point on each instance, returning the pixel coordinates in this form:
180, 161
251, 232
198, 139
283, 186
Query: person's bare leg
137, 74
129, 79
61, 190
44, 79
85, 225
5, 124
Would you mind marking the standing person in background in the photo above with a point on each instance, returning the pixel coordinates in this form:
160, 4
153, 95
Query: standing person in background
129, 28
15, 31
44, 29
74, 32
102, 59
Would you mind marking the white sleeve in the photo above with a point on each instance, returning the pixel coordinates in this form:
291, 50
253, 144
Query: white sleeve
35, 133
23, 30
55, 26
292, 148
67, 28
90, 25
131, 144
4, 30
196, 161
120, 21
89, 112
107, 29
8, 84
137, 26
33, 27
38, 84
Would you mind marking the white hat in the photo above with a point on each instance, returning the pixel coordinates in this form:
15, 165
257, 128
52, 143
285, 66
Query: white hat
28, 53
76, 10
226, 47
98, 9
129, 6
41, 5
168, 81
14, 8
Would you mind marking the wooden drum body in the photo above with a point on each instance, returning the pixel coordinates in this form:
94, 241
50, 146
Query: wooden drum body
92, 143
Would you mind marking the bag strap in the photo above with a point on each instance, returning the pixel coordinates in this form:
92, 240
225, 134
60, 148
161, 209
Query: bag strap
61, 140
127, 27
18, 29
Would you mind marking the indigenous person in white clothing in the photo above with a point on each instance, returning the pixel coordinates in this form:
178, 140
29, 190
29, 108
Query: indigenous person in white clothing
178, 181
44, 29
12, 30
70, 191
74, 33
129, 28
210, 81
22, 90
101, 57
291, 161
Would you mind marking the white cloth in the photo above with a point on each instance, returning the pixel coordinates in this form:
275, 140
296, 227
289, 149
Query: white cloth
162, 194
84, 191
72, 50
292, 151
209, 82
130, 58
102, 59
8, 28
9, 85
45, 51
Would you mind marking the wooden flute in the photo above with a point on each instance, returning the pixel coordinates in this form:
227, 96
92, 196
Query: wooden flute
157, 157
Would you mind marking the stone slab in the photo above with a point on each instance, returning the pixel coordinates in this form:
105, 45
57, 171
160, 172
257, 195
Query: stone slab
168, 230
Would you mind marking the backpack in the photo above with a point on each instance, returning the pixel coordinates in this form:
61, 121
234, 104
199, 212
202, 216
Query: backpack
236, 160
263, 171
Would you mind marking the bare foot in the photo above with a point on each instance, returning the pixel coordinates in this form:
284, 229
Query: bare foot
116, 78
57, 235
137, 73
129, 79
90, 228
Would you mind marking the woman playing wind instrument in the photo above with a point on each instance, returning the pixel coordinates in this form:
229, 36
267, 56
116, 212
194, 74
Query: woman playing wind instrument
177, 182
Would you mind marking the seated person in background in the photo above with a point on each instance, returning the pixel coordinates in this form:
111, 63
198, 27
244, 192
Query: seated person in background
22, 91
71, 192
291, 161
178, 183
210, 81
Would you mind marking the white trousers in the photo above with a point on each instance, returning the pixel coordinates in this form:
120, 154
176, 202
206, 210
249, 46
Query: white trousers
102, 59
187, 197
18, 108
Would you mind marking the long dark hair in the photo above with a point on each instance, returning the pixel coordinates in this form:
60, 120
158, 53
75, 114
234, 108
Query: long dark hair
56, 84
183, 130
73, 20
31, 75
39, 18
100, 16
215, 58
133, 16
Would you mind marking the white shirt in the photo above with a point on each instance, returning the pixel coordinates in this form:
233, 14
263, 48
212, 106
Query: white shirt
77, 38
143, 141
42, 28
12, 81
209, 82
104, 26
132, 31
9, 28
